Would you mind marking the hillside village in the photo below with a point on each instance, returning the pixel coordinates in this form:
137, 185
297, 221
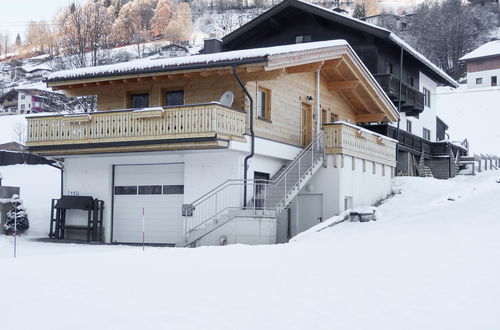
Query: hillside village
186, 164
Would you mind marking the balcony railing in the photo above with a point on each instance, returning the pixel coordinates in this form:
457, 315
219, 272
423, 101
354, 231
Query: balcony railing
412, 100
182, 122
348, 139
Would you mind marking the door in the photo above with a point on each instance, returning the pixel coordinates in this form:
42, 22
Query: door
310, 211
306, 124
159, 190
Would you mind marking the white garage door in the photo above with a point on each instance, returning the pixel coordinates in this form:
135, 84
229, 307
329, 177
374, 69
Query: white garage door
159, 190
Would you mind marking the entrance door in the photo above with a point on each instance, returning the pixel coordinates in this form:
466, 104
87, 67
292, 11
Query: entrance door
159, 190
306, 124
310, 211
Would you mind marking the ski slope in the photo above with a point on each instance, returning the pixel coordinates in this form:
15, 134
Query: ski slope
430, 261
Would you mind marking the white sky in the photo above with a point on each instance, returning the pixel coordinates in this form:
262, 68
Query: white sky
15, 14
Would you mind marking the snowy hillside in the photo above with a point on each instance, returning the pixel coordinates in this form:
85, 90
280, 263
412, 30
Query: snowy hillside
472, 114
426, 265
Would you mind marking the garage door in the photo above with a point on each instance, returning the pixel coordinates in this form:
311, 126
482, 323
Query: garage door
159, 190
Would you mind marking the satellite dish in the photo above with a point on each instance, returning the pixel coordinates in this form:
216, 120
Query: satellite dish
227, 99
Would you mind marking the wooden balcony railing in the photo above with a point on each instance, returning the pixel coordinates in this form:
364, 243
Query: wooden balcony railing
412, 99
182, 122
348, 139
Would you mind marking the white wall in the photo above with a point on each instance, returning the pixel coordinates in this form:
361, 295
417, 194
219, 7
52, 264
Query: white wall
26, 102
486, 78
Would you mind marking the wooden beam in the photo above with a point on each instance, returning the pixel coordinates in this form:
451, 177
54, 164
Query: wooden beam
305, 68
332, 64
370, 117
342, 85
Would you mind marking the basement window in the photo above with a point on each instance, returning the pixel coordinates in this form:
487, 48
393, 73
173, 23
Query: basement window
494, 81
479, 81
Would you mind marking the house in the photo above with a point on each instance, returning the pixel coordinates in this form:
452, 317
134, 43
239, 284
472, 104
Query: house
483, 65
9, 100
384, 54
36, 97
394, 21
250, 146
173, 50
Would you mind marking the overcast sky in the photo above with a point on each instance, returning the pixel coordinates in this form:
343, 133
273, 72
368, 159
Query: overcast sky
14, 14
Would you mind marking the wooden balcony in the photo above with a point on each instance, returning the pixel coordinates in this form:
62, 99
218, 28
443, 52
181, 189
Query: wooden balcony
351, 140
210, 125
412, 100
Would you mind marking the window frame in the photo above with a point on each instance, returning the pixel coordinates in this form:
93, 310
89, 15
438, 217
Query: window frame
267, 103
409, 125
304, 38
130, 95
479, 81
494, 81
175, 90
426, 134
427, 97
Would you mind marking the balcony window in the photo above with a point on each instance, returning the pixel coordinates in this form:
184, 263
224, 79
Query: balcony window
494, 81
426, 134
408, 126
263, 104
139, 101
174, 98
300, 39
427, 97
479, 81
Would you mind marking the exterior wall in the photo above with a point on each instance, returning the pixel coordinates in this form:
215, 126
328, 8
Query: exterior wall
427, 119
486, 78
198, 90
483, 64
288, 92
26, 102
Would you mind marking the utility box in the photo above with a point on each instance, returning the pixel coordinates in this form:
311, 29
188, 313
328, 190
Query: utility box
6, 194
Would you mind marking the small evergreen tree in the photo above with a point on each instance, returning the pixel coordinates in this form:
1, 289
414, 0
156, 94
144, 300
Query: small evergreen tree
17, 217
359, 11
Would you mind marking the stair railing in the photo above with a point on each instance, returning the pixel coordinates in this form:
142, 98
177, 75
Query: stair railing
229, 194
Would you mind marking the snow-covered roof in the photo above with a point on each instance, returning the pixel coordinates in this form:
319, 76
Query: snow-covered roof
39, 86
187, 62
358, 23
491, 48
32, 68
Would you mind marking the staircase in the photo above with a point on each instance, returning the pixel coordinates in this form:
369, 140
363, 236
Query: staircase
224, 203
424, 171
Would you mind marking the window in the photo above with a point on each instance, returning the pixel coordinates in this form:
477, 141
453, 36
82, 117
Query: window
263, 102
174, 98
408, 126
126, 190
334, 117
427, 97
412, 82
139, 100
494, 81
149, 190
23, 106
479, 81
23, 96
388, 67
173, 190
324, 116
426, 134
300, 39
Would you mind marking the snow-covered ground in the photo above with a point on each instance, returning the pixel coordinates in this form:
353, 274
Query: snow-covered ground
431, 261
472, 114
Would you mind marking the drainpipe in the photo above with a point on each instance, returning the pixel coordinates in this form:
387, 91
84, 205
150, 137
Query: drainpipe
318, 107
399, 106
61, 168
252, 136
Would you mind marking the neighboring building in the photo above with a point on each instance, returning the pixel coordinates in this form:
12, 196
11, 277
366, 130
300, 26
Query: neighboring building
9, 101
389, 20
36, 98
295, 21
196, 170
173, 50
483, 66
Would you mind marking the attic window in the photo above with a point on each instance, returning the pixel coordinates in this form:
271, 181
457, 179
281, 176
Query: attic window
300, 39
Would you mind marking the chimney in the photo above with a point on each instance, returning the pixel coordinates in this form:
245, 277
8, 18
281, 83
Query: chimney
212, 45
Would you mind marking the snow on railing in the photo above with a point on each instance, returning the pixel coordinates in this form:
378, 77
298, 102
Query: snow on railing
348, 139
121, 125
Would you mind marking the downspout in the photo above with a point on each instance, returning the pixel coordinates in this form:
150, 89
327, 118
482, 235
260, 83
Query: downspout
318, 106
252, 136
61, 168
399, 107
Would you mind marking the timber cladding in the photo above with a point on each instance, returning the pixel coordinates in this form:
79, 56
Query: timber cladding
287, 93
483, 64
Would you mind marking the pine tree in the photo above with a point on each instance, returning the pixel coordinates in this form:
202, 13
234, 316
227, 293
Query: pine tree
359, 10
17, 218
18, 40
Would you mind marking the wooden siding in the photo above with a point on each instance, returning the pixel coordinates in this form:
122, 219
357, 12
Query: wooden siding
484, 64
356, 142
